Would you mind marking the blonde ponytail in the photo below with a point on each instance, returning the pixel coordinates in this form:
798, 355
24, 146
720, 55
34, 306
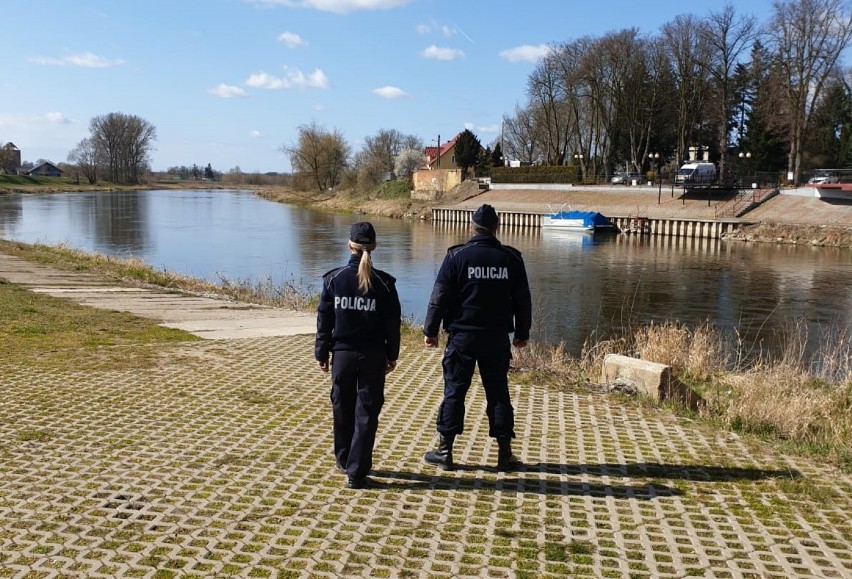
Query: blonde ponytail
365, 266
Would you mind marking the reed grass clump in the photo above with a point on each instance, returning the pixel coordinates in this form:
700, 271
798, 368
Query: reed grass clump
801, 400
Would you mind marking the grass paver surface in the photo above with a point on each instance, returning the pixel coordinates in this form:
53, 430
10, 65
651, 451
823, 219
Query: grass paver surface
216, 461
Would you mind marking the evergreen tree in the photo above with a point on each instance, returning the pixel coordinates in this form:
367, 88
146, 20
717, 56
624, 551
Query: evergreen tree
467, 151
497, 156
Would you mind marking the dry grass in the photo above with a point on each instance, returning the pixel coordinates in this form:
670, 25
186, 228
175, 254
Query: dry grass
798, 401
134, 271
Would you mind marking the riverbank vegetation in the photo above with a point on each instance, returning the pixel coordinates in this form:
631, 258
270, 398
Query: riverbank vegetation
801, 404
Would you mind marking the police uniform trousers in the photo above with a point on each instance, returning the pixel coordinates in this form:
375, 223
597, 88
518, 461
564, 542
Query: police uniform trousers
357, 397
492, 352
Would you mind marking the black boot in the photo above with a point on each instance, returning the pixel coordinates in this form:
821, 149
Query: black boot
506, 461
443, 455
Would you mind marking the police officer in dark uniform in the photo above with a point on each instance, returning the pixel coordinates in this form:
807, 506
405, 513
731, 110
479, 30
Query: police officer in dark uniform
358, 324
481, 295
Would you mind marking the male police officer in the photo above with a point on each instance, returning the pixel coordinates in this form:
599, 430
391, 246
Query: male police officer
481, 295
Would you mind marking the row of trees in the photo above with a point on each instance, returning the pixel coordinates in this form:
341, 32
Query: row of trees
322, 159
722, 82
118, 149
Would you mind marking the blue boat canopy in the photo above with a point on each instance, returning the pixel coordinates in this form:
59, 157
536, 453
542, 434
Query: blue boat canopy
590, 218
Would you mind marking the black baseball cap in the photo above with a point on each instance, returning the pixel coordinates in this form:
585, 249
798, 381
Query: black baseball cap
363, 233
486, 216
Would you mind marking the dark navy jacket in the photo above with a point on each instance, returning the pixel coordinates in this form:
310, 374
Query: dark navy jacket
482, 286
350, 320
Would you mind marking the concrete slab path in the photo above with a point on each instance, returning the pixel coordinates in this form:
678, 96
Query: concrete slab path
207, 317
215, 460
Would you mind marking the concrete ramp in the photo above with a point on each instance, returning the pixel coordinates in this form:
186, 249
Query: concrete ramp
205, 316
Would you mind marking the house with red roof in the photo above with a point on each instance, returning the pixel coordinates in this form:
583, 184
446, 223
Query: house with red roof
442, 156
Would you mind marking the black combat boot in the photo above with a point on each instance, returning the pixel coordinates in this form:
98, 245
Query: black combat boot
506, 461
443, 455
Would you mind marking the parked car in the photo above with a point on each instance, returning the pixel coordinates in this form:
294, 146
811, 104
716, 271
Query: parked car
822, 178
623, 178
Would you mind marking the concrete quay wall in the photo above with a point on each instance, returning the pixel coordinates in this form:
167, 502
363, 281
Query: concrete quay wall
693, 228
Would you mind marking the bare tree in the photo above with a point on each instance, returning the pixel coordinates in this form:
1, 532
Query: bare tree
809, 36
86, 157
319, 155
408, 161
728, 36
546, 93
377, 159
687, 52
521, 137
125, 141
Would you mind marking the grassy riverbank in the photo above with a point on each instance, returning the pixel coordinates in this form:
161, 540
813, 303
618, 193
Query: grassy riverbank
783, 400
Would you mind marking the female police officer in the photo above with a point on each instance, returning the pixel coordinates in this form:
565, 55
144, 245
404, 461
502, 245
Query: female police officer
358, 324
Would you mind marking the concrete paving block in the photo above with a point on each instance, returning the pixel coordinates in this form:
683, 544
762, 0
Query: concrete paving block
649, 378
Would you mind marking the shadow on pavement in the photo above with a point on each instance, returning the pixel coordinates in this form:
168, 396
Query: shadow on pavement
517, 482
691, 472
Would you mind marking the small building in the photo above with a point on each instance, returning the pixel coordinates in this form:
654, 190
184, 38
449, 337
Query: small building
10, 158
443, 156
46, 169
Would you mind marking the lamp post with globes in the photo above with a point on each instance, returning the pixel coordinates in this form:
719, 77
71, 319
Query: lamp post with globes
578, 161
743, 155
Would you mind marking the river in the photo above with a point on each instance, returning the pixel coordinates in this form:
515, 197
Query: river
583, 286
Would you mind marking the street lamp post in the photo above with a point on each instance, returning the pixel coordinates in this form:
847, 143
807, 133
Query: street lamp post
578, 161
743, 155
656, 158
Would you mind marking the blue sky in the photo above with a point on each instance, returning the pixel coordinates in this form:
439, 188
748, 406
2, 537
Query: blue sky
228, 82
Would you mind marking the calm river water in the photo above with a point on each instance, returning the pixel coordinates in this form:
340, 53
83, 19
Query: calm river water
581, 285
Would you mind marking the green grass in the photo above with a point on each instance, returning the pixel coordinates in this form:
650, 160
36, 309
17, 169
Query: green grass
25, 180
45, 330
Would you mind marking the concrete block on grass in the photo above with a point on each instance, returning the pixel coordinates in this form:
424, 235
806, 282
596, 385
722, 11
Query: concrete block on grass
648, 378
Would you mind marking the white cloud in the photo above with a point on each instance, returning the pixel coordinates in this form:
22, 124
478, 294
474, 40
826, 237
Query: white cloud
438, 53
423, 29
336, 6
58, 118
294, 78
291, 39
469, 126
263, 80
316, 79
390, 92
526, 53
84, 60
490, 129
255, 134
227, 91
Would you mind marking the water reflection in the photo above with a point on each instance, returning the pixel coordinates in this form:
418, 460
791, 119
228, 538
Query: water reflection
10, 211
583, 285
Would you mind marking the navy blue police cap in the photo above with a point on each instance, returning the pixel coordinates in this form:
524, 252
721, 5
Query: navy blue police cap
486, 216
363, 233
